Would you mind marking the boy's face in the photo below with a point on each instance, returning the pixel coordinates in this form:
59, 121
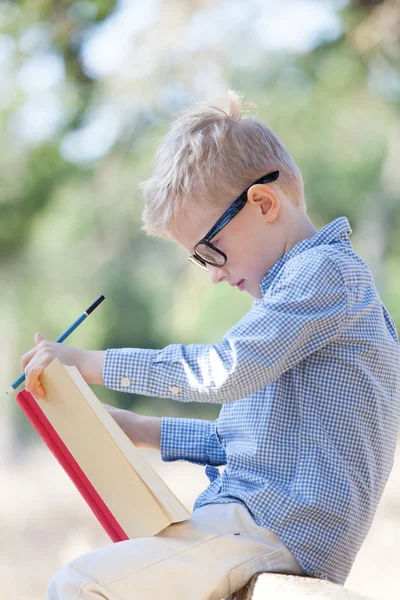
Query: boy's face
253, 240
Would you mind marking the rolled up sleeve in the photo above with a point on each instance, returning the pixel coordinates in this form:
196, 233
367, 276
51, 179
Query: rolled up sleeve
193, 440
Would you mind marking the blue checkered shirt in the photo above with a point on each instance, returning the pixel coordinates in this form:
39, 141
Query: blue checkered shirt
309, 385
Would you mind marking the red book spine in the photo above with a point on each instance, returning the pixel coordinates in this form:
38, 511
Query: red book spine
55, 444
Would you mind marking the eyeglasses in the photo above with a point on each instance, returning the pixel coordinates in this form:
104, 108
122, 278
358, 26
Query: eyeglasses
205, 253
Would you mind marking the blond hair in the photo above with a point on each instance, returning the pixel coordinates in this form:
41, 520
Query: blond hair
208, 157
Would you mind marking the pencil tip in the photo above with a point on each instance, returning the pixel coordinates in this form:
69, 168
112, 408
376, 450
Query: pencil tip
10, 389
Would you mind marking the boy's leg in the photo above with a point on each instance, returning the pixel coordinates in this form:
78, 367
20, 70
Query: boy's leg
206, 557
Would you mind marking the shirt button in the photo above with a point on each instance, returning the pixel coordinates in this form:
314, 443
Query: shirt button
175, 390
125, 382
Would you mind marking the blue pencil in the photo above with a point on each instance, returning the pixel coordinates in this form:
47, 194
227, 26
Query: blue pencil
63, 336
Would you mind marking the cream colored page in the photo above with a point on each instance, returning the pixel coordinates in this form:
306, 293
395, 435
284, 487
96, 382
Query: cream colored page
110, 472
171, 504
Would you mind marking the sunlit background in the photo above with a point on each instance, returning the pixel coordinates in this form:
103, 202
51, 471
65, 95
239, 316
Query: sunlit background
87, 91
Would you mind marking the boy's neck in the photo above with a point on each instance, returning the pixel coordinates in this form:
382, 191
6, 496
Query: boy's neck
299, 227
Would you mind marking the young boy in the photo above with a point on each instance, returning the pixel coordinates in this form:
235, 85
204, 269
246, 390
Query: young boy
308, 379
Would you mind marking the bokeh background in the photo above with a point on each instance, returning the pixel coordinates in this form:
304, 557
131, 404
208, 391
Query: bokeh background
87, 91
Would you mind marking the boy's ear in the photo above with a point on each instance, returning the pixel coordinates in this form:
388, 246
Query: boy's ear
266, 199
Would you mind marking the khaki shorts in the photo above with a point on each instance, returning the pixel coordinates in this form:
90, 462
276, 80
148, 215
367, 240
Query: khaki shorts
206, 557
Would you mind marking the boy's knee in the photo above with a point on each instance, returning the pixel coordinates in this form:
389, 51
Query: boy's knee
67, 584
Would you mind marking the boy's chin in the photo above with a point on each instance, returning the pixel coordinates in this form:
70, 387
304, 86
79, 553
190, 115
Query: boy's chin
256, 294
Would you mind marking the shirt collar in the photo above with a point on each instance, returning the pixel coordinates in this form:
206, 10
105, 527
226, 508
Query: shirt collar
339, 228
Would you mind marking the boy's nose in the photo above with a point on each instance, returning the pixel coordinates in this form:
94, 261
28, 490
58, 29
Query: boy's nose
217, 274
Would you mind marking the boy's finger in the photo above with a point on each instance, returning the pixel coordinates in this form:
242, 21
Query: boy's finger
27, 357
33, 392
38, 338
32, 378
39, 393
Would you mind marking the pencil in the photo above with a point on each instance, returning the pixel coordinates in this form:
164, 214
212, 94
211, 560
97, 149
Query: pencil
63, 336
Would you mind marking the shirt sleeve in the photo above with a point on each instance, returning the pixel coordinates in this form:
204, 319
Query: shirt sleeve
193, 440
304, 309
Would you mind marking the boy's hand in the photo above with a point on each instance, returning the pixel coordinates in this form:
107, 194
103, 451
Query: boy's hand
143, 431
127, 420
37, 359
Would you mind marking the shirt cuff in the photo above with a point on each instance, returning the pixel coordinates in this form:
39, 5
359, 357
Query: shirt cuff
193, 440
133, 370
128, 370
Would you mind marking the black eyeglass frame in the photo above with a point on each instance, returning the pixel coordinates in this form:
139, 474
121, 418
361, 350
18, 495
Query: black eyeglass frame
227, 216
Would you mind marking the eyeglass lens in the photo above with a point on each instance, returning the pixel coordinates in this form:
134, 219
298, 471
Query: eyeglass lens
210, 255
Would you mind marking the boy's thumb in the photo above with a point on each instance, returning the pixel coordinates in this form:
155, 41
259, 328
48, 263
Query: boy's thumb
38, 338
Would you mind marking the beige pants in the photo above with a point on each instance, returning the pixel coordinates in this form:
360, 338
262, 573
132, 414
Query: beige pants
206, 557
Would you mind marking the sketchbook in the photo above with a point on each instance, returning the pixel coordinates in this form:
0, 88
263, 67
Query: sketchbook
125, 493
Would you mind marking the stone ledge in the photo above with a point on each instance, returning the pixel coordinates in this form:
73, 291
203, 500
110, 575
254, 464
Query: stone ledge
274, 586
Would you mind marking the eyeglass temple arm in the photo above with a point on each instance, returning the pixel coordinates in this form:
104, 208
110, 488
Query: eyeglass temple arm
235, 207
